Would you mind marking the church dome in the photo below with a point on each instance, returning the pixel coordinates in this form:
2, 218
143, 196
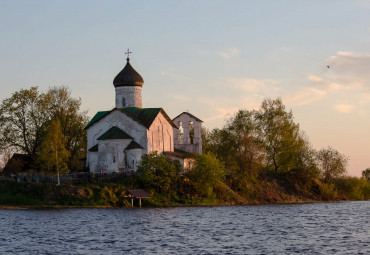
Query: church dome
128, 77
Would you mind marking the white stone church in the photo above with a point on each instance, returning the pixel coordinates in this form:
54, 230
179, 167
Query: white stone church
117, 139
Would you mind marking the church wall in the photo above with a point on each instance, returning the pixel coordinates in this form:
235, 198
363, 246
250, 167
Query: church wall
111, 156
184, 142
160, 135
133, 158
122, 121
131, 95
93, 161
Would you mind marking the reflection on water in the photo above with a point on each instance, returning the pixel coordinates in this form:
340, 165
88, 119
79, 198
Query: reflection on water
328, 228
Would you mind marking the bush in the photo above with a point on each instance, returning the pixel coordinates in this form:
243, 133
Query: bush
353, 188
327, 191
159, 173
207, 172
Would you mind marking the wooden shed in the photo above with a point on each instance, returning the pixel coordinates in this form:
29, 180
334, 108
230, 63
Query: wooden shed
137, 193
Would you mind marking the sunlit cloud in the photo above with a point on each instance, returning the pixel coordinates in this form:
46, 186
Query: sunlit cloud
226, 54
305, 96
251, 85
348, 64
343, 108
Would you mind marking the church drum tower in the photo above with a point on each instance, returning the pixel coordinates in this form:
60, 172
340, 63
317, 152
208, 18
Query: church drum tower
128, 84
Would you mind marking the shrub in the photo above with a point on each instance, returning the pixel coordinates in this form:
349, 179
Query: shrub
327, 191
207, 172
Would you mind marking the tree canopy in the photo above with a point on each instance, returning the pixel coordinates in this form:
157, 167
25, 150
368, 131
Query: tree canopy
206, 173
158, 172
25, 115
53, 157
332, 163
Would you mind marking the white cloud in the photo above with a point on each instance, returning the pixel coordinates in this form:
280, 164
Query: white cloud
226, 54
305, 96
343, 108
348, 64
252, 85
233, 52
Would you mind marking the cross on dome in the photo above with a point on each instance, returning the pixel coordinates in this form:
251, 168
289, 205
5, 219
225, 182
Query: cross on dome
128, 54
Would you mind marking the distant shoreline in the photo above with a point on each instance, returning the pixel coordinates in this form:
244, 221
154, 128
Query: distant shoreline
50, 207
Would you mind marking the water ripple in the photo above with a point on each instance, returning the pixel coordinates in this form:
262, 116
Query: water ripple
333, 228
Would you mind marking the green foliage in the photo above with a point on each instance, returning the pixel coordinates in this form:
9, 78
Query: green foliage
332, 164
22, 118
159, 173
366, 174
327, 191
207, 172
279, 135
25, 115
353, 188
53, 157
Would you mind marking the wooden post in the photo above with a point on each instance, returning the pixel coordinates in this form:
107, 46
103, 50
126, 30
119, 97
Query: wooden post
132, 202
140, 202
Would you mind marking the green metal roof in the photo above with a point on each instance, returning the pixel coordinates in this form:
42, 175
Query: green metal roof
114, 133
134, 145
96, 118
144, 116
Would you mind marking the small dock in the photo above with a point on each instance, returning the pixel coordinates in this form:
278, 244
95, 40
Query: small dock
138, 194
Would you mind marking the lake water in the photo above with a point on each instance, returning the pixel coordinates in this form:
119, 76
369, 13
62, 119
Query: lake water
324, 228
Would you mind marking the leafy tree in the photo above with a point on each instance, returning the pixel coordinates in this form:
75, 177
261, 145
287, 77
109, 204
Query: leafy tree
158, 172
279, 135
64, 107
236, 144
332, 164
54, 155
206, 173
306, 169
366, 174
22, 120
24, 117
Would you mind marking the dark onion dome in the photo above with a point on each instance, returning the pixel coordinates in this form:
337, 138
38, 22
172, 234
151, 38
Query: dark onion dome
128, 77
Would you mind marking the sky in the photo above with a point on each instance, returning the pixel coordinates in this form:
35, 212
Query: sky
210, 58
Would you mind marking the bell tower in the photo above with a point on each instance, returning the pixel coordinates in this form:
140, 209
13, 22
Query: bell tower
128, 85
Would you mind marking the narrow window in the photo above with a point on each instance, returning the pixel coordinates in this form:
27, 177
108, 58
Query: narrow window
114, 159
191, 132
181, 133
123, 102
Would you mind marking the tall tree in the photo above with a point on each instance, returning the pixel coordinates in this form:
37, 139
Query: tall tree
237, 146
24, 116
54, 156
63, 106
332, 163
22, 121
279, 135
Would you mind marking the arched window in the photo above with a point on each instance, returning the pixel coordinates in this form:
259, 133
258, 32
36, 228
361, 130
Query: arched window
180, 136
